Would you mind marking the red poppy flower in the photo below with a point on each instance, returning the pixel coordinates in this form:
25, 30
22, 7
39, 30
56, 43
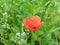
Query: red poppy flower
33, 24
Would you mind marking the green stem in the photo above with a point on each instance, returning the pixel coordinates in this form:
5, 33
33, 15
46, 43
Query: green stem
56, 39
32, 7
32, 39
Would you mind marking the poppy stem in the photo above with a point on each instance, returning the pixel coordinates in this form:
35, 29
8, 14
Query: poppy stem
32, 39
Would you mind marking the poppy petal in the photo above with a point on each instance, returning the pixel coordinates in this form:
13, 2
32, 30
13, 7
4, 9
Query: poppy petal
36, 19
28, 23
39, 26
33, 24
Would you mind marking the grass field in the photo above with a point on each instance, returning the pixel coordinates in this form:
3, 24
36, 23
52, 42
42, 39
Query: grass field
13, 30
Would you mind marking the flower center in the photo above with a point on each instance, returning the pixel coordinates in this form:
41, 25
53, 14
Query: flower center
33, 27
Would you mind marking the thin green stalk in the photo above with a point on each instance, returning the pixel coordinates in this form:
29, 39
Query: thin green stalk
52, 30
32, 7
32, 39
56, 39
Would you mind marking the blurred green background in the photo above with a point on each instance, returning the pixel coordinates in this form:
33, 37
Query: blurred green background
13, 13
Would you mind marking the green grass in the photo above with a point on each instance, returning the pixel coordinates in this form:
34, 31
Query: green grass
13, 13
